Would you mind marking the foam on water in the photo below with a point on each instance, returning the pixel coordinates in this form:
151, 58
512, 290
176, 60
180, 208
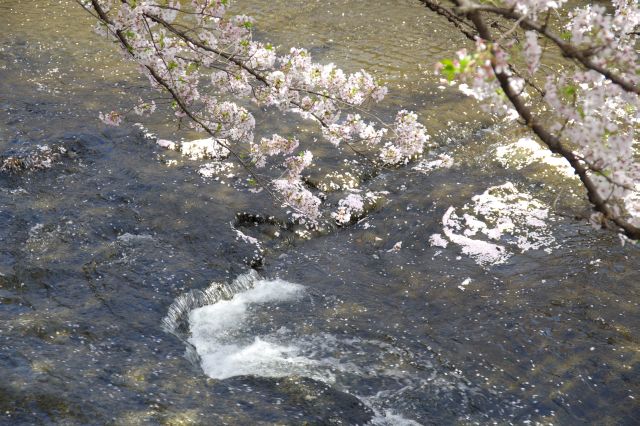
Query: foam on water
223, 354
526, 151
198, 149
175, 322
389, 418
213, 323
245, 328
499, 217
222, 333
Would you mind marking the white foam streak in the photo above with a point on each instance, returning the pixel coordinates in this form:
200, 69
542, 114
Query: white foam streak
229, 314
260, 358
388, 418
233, 330
483, 252
223, 355
526, 151
502, 214
198, 149
183, 305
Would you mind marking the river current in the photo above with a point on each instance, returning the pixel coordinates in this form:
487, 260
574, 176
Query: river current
139, 286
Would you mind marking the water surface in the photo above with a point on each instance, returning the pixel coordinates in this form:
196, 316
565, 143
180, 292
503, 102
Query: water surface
95, 250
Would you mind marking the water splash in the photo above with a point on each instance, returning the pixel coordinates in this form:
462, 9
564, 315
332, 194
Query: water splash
237, 329
217, 335
176, 320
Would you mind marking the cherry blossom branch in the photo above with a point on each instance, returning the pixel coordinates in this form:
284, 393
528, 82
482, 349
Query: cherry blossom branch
463, 26
103, 17
175, 58
550, 140
261, 78
568, 50
469, 31
230, 57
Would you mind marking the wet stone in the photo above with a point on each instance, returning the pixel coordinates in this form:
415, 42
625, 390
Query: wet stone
309, 401
546, 338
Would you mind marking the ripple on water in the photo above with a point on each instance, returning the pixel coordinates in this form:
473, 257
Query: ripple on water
82, 301
246, 328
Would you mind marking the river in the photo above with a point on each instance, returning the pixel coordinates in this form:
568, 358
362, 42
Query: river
127, 295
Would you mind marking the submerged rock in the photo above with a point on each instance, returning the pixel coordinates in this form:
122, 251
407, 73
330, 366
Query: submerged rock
39, 158
24, 156
311, 401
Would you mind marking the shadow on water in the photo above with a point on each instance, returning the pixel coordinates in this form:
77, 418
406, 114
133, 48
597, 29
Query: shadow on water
98, 244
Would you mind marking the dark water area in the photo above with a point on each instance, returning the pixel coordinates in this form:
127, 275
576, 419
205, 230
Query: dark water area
101, 242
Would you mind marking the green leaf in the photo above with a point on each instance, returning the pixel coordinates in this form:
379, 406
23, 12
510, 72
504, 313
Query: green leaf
192, 67
464, 62
449, 69
570, 90
449, 72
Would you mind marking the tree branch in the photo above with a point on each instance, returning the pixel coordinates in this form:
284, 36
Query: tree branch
550, 140
463, 26
568, 50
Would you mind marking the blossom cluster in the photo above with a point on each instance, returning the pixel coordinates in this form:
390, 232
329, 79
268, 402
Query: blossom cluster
353, 206
306, 205
533, 8
609, 39
269, 147
475, 75
598, 116
592, 108
180, 45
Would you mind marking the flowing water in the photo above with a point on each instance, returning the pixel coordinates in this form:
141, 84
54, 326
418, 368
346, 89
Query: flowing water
471, 295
